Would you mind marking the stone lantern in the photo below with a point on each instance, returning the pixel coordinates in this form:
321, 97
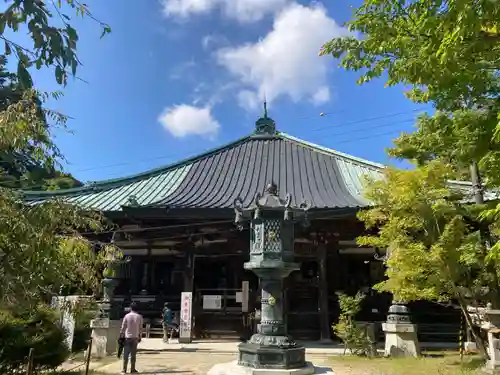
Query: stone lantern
401, 338
111, 276
271, 259
106, 326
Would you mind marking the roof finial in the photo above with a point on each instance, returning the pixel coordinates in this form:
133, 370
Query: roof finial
265, 106
265, 125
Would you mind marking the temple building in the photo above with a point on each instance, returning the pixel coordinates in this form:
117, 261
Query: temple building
176, 223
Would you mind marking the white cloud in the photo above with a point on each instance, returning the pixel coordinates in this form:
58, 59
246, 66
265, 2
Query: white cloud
285, 62
183, 120
321, 96
249, 99
241, 10
184, 8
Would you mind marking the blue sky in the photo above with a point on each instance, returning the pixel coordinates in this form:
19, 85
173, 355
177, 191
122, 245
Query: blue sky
178, 77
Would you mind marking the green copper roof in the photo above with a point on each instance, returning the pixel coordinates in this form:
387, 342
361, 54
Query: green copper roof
324, 177
112, 195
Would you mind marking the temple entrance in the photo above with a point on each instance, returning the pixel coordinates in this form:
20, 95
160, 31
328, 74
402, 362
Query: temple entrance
301, 301
217, 296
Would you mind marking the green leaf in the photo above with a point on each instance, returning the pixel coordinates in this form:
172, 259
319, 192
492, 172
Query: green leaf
8, 51
23, 75
105, 30
72, 33
59, 75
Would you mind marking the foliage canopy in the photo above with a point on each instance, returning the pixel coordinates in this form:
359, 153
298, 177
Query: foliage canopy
434, 246
448, 51
40, 248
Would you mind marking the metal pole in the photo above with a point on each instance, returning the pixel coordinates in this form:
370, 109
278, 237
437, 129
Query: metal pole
30, 362
477, 187
87, 358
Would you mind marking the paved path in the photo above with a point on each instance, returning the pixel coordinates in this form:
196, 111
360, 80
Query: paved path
157, 357
183, 362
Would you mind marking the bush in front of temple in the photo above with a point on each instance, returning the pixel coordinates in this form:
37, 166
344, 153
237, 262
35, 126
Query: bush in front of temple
39, 329
83, 332
351, 333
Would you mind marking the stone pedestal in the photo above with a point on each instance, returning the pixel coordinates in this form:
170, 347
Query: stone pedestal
271, 357
105, 334
232, 368
493, 364
470, 347
401, 340
491, 326
99, 336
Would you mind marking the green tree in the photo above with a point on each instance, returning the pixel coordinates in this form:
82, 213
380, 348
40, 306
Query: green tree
435, 251
40, 249
458, 139
54, 40
19, 169
352, 334
448, 51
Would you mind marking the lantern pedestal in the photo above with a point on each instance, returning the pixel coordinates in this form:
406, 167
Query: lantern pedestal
271, 357
232, 368
271, 347
400, 334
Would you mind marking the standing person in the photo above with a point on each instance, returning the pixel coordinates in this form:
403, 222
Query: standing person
167, 321
132, 332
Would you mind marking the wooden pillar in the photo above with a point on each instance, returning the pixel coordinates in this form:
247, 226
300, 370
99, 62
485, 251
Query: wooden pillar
324, 315
188, 272
146, 277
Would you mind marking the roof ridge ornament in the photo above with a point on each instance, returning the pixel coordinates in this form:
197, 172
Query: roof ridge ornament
265, 125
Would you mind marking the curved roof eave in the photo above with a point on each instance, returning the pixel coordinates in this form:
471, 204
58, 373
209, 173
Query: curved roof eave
116, 182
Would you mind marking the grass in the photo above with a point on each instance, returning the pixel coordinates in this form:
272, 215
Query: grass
447, 363
77, 373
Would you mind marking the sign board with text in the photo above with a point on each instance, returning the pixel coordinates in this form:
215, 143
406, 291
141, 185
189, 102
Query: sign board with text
212, 302
185, 318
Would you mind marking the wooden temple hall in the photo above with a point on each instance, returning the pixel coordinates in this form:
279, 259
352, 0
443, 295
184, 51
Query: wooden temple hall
176, 223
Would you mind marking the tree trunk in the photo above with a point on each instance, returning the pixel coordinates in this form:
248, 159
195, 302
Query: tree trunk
468, 320
485, 234
477, 187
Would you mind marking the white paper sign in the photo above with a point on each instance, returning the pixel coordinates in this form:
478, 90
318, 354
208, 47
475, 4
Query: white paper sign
245, 288
212, 302
239, 297
185, 319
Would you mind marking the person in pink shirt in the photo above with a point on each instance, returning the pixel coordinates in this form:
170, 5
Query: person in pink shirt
131, 331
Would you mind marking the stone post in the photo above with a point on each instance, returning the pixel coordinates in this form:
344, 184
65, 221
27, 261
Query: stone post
271, 259
400, 334
492, 327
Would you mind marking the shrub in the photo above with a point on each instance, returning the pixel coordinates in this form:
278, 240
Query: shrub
39, 329
82, 332
352, 334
